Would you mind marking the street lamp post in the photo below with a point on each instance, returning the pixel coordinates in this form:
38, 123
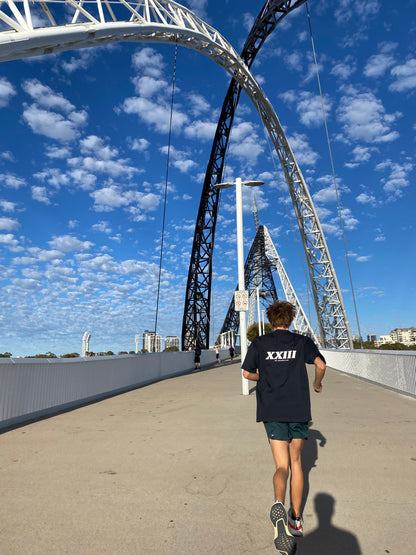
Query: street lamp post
240, 260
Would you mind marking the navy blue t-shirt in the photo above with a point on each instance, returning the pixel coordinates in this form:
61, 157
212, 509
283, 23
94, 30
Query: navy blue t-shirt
283, 387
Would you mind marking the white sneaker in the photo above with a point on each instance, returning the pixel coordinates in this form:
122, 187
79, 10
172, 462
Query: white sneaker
295, 524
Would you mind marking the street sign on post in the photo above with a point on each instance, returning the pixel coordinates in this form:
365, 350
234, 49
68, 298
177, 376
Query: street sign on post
241, 301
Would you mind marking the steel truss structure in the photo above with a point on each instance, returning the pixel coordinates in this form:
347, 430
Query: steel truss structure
42, 27
261, 261
257, 273
301, 323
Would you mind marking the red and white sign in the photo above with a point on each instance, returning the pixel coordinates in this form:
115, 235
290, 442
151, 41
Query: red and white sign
241, 301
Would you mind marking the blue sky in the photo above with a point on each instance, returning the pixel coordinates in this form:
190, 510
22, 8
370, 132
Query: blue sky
83, 151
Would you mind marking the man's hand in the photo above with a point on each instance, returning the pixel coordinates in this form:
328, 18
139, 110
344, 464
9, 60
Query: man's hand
317, 388
254, 377
320, 367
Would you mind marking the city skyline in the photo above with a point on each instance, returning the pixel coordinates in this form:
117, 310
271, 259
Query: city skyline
83, 161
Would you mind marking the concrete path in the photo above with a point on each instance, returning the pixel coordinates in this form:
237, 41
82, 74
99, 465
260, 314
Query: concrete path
181, 467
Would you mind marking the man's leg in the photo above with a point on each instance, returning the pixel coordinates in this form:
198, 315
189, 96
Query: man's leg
283, 539
280, 451
296, 474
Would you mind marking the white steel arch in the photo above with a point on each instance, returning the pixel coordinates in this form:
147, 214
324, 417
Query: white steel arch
43, 27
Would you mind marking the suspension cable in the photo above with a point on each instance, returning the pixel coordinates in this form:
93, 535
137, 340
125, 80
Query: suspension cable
333, 175
166, 192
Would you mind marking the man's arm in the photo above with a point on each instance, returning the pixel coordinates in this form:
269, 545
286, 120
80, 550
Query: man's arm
320, 367
253, 376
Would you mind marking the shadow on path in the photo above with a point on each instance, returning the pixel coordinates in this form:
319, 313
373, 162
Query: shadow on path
310, 457
327, 539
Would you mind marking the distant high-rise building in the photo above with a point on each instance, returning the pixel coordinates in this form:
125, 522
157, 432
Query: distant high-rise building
171, 341
404, 335
371, 337
152, 342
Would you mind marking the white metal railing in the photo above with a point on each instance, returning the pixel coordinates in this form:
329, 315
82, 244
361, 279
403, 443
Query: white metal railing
393, 369
30, 388
34, 387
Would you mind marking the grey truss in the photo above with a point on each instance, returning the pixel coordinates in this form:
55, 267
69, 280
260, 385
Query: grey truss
301, 323
261, 262
42, 27
257, 271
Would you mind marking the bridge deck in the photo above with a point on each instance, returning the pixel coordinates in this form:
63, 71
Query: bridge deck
181, 467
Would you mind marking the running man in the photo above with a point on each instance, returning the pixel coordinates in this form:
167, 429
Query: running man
276, 361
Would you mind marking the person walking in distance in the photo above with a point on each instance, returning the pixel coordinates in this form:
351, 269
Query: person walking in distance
232, 352
197, 357
277, 362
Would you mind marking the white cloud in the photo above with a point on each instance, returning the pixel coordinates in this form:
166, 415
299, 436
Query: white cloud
349, 221
53, 125
325, 195
139, 144
12, 181
43, 255
148, 61
245, 143
378, 64
179, 159
81, 60
364, 118
9, 241
348, 9
203, 130
7, 91
147, 86
68, 243
40, 194
365, 198
102, 226
330, 229
85, 179
53, 176
46, 97
405, 76
96, 146
8, 224
308, 106
398, 178
109, 198
26, 284
154, 114
7, 206
112, 197
304, 154
198, 104
360, 154
60, 153
7, 155
344, 70
91, 166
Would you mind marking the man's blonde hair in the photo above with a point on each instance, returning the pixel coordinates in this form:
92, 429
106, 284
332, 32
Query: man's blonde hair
281, 314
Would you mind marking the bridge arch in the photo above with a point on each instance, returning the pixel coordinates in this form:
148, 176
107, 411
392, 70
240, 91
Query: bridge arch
102, 22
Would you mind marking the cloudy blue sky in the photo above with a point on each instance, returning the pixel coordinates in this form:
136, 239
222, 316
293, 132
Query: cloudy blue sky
83, 156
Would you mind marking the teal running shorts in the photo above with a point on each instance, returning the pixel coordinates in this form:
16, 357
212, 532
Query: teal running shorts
287, 430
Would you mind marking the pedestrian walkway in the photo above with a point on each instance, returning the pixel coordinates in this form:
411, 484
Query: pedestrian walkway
180, 467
